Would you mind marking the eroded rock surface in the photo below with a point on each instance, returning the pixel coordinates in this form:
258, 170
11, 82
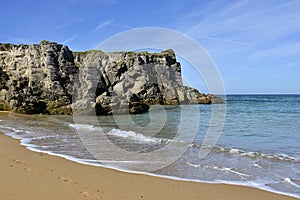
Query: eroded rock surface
49, 78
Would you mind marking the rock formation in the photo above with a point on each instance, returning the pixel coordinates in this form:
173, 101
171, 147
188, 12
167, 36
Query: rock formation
49, 78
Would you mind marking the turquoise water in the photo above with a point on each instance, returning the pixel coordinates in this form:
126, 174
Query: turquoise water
269, 123
259, 145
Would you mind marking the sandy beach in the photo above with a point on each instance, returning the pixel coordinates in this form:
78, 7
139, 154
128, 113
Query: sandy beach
31, 175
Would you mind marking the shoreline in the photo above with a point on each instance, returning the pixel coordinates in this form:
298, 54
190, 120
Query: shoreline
76, 160
30, 175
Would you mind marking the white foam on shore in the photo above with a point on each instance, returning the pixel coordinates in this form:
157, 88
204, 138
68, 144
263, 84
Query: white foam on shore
44, 137
252, 154
82, 126
135, 136
218, 168
230, 170
121, 133
288, 180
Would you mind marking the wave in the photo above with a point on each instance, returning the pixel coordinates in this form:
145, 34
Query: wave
14, 132
82, 126
122, 134
251, 154
292, 182
255, 155
44, 137
150, 139
218, 168
229, 151
136, 136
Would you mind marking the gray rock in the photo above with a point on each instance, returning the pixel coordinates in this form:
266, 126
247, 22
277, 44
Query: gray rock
36, 78
49, 78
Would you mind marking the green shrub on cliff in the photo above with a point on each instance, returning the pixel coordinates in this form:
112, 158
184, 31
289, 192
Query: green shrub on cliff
44, 42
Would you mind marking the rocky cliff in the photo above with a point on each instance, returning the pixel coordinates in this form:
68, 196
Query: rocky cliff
49, 78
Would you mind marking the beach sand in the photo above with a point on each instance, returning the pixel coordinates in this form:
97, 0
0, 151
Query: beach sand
30, 175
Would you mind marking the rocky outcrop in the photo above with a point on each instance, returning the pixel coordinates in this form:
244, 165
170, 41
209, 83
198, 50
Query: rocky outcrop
36, 78
49, 78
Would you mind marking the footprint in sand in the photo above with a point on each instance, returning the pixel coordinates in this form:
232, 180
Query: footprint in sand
86, 194
21, 162
31, 170
68, 180
27, 169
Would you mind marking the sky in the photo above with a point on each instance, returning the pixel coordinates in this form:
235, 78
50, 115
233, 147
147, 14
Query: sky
254, 44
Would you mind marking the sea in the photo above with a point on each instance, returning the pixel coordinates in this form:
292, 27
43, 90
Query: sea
250, 140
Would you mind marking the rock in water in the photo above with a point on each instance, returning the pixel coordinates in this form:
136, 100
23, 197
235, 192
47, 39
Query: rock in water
49, 78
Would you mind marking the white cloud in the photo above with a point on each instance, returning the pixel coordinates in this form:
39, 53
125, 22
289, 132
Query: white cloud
281, 6
245, 31
245, 22
226, 40
104, 24
73, 37
249, 40
20, 40
278, 52
233, 7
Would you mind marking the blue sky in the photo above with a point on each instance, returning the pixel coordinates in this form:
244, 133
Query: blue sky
255, 44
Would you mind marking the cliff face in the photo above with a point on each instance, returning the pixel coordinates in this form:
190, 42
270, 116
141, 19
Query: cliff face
48, 78
36, 78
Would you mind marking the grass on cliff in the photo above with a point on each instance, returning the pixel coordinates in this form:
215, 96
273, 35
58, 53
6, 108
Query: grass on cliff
45, 42
84, 53
167, 52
